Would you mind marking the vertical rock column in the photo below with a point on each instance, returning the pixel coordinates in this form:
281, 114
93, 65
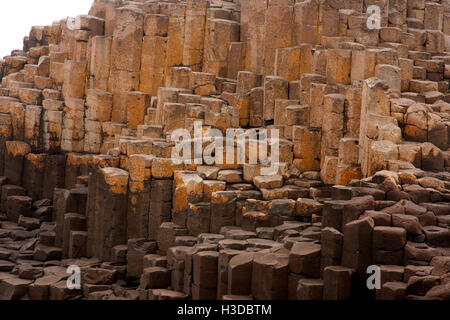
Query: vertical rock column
306, 18
255, 36
60, 206
317, 94
277, 32
98, 111
219, 36
154, 53
97, 163
274, 88
188, 189
137, 105
107, 212
332, 132
434, 16
175, 36
446, 28
52, 130
238, 273
348, 164
363, 64
165, 95
55, 171
14, 161
306, 148
33, 178
194, 35
33, 127
57, 60
160, 206
223, 210
328, 19
100, 62
338, 283
236, 59
74, 79
287, 63
348, 168
357, 245
339, 66
256, 112
74, 222
71, 133
73, 125
85, 27
5, 135
205, 275
353, 112
18, 117
69, 208
76, 165
375, 110
245, 17
332, 242
139, 195
68, 41
270, 276
126, 50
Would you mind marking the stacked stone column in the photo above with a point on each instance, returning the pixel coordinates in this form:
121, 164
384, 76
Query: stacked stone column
106, 213
194, 34
126, 52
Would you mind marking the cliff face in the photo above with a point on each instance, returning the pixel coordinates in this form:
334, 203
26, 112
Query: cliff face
356, 91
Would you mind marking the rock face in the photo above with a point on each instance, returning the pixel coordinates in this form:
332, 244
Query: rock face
336, 156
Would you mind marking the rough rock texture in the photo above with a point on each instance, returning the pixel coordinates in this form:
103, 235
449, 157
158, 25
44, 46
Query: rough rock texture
87, 110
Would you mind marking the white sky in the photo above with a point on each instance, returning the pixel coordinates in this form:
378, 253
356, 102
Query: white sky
18, 16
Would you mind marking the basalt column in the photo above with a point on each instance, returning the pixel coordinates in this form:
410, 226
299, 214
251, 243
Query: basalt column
107, 212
